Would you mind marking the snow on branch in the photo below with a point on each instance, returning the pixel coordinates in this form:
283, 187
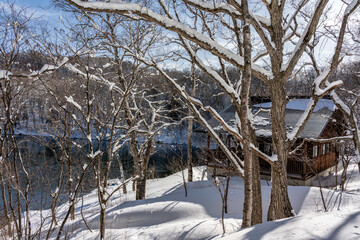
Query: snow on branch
318, 94
322, 79
4, 74
257, 21
45, 69
351, 7
340, 103
230, 130
214, 7
216, 115
293, 16
112, 85
319, 80
205, 42
238, 165
94, 155
217, 7
191, 102
214, 75
75, 104
305, 37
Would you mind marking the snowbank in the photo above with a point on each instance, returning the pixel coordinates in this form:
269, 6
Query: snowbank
168, 214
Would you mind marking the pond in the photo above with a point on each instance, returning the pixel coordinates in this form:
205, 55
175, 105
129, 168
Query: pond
42, 160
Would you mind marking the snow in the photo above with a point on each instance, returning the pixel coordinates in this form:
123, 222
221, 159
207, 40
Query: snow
71, 100
85, 166
4, 74
111, 86
301, 104
168, 214
169, 23
296, 52
106, 65
291, 135
317, 226
350, 7
94, 155
261, 121
340, 103
263, 132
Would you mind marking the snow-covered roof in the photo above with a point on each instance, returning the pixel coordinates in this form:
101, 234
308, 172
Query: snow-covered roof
301, 104
313, 128
294, 109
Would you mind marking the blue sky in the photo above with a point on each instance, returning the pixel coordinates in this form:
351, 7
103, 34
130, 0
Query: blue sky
45, 10
42, 8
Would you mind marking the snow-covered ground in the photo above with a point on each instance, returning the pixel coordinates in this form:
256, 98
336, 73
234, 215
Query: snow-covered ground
168, 214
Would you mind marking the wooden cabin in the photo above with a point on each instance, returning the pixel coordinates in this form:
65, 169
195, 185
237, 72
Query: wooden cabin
316, 152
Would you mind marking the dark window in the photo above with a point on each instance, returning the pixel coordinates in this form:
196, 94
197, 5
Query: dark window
323, 149
268, 149
327, 148
315, 151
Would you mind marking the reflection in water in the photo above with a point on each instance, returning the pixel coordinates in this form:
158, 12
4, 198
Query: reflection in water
45, 164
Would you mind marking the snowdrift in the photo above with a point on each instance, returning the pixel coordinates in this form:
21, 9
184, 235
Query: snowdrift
168, 214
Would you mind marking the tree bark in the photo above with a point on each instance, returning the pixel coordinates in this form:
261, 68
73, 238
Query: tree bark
245, 121
356, 137
102, 222
190, 128
280, 206
256, 217
143, 166
189, 149
141, 187
2, 188
226, 194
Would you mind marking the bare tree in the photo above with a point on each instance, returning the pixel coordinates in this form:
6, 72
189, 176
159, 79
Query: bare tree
274, 33
16, 28
131, 113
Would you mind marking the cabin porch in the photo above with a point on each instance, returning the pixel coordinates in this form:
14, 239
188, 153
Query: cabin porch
311, 159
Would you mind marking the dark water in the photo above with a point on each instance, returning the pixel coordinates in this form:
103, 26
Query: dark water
41, 158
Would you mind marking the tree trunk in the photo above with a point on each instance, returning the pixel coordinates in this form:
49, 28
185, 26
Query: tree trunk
141, 187
256, 217
246, 124
102, 222
280, 206
3, 198
141, 182
136, 160
53, 211
18, 197
122, 173
143, 165
226, 194
68, 155
356, 137
248, 186
190, 128
189, 149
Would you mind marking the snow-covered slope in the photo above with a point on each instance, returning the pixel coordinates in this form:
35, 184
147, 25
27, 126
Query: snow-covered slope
344, 224
168, 214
